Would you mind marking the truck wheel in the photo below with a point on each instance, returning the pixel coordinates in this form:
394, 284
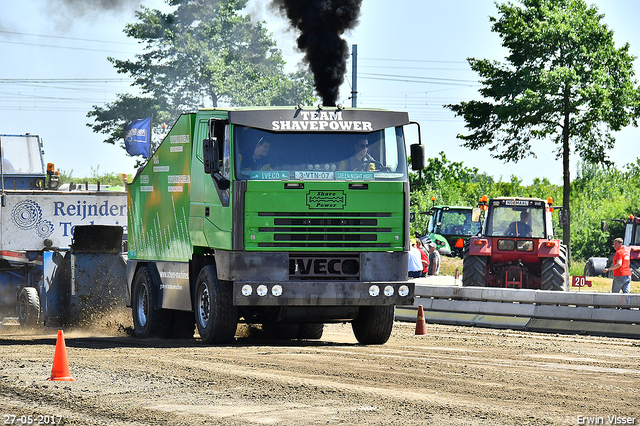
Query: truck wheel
373, 325
29, 307
311, 331
474, 270
634, 265
216, 317
147, 321
555, 274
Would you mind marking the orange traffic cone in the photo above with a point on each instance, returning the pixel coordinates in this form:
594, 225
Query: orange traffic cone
421, 325
60, 369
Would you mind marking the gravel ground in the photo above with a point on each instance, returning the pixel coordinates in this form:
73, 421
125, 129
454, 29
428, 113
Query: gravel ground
451, 376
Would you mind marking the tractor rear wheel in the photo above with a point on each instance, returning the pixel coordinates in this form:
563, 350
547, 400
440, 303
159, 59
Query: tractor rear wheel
373, 325
555, 274
474, 270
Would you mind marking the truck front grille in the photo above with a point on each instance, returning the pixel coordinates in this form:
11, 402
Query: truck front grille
324, 230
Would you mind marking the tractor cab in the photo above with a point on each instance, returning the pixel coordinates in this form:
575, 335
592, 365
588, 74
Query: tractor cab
450, 228
516, 248
518, 218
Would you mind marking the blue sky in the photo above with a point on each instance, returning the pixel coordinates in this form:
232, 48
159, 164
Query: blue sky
411, 56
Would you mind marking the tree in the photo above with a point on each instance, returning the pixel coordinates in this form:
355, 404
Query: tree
564, 79
202, 54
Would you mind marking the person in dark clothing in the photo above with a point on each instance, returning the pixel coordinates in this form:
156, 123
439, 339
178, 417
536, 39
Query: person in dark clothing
256, 158
520, 228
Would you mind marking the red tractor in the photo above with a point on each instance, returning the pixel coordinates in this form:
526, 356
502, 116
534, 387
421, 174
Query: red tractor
516, 248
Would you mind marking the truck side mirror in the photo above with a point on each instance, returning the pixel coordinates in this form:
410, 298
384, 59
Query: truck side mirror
418, 156
412, 217
210, 155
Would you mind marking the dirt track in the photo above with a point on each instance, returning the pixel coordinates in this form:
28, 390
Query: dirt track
451, 376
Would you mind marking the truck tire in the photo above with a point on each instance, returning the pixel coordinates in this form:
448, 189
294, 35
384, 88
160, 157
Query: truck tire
373, 325
634, 265
555, 274
147, 320
216, 317
474, 270
29, 307
595, 266
311, 331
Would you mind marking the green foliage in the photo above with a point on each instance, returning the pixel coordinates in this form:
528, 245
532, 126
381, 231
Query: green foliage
104, 178
451, 183
599, 193
201, 54
563, 80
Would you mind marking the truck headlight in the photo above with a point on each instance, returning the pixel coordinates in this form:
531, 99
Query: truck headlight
403, 290
374, 290
388, 291
276, 290
247, 290
261, 290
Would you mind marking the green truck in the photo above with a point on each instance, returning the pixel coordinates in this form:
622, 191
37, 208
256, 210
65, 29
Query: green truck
288, 217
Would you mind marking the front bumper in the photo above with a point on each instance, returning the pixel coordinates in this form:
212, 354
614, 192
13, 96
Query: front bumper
323, 293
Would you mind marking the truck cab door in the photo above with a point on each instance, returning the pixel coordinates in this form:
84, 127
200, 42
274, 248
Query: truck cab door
213, 164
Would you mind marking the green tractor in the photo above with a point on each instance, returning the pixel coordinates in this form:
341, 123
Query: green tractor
450, 227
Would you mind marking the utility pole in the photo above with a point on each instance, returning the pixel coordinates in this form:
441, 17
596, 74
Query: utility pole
354, 76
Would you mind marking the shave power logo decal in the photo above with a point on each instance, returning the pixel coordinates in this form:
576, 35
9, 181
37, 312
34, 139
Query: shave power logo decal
27, 215
326, 199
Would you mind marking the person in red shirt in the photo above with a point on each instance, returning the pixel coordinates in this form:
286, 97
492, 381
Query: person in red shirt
424, 256
620, 267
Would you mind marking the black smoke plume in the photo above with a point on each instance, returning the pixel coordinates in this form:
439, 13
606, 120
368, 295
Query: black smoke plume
321, 24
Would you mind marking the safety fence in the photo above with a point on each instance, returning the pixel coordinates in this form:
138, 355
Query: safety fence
533, 310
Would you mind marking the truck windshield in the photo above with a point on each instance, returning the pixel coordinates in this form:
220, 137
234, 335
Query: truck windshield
516, 222
262, 155
21, 154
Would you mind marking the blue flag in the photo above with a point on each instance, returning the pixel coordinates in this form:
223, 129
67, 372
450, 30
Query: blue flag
137, 137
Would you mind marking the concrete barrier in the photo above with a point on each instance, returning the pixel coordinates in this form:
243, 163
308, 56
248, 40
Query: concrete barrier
535, 310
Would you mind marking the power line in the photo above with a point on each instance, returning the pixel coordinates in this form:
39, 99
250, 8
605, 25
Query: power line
412, 60
63, 80
63, 47
69, 38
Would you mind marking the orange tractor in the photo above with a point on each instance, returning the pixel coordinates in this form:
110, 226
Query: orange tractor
516, 248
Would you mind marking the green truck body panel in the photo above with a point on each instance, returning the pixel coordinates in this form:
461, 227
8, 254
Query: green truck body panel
324, 215
159, 199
